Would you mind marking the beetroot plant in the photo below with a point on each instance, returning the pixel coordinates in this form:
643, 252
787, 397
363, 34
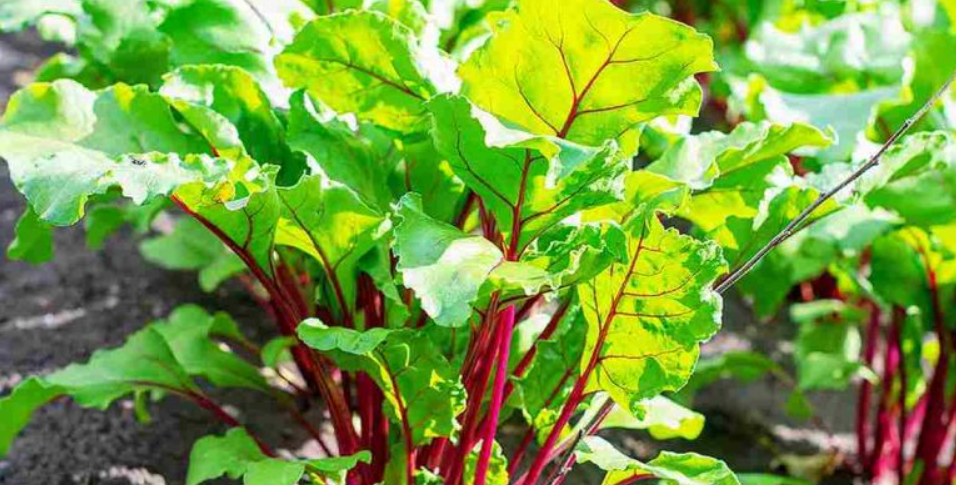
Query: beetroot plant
434, 202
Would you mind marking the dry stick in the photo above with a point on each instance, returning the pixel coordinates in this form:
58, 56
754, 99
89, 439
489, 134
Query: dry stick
792, 227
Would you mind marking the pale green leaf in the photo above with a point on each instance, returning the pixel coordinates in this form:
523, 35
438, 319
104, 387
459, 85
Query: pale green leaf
64, 144
648, 313
663, 418
339, 152
669, 468
587, 71
145, 361
360, 62
443, 265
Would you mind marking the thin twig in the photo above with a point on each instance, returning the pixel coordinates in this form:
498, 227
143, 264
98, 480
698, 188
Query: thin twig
791, 228
261, 16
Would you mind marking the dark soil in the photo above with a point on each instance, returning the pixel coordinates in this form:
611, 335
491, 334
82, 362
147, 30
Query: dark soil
61, 312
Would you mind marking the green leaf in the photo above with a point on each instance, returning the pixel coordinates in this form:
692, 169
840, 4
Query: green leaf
828, 345
227, 105
121, 36
276, 351
443, 265
663, 418
236, 455
540, 179
329, 222
762, 101
741, 238
190, 246
218, 32
497, 473
812, 251
570, 254
745, 366
34, 239
862, 49
669, 468
274, 472
216, 456
17, 408
547, 383
900, 263
144, 362
764, 479
342, 154
699, 161
189, 331
363, 63
421, 388
562, 72
916, 179
648, 313
64, 144
932, 66
247, 221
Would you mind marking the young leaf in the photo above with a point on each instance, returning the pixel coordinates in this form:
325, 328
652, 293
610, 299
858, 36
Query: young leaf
702, 160
444, 265
236, 455
669, 468
539, 179
560, 71
546, 384
422, 390
216, 456
363, 63
219, 32
761, 101
247, 223
647, 314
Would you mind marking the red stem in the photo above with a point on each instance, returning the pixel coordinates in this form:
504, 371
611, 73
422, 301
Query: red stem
933, 431
899, 319
866, 387
886, 439
577, 393
529, 434
505, 331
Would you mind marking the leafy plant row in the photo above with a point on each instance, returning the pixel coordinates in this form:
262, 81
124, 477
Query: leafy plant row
437, 206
